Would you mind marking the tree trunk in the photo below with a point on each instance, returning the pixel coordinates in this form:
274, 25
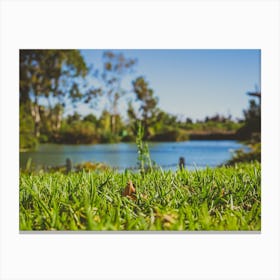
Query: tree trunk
58, 120
114, 114
113, 124
37, 119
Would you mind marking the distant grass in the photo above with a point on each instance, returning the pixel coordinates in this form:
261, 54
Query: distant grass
226, 198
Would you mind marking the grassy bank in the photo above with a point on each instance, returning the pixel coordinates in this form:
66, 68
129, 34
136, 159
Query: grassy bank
253, 155
226, 198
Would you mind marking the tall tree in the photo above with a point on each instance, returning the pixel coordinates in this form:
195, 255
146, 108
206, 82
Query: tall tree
148, 103
132, 117
51, 119
252, 126
52, 77
26, 127
115, 67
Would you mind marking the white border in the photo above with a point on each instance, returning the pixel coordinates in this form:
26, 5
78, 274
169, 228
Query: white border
133, 24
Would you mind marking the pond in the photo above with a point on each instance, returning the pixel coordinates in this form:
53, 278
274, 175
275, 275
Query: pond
197, 154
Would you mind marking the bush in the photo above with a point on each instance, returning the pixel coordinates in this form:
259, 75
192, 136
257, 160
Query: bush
27, 139
171, 135
128, 138
109, 137
241, 156
44, 138
78, 133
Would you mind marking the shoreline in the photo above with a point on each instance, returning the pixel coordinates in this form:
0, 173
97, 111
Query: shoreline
203, 136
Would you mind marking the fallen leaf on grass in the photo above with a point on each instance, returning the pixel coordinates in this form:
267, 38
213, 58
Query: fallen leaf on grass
168, 218
129, 191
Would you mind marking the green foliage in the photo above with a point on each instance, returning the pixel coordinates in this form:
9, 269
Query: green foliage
253, 155
52, 76
78, 132
220, 199
60, 77
252, 126
144, 159
115, 68
51, 120
41, 72
71, 119
109, 137
27, 139
171, 134
75, 129
251, 133
211, 126
148, 104
169, 128
132, 119
89, 129
105, 121
91, 118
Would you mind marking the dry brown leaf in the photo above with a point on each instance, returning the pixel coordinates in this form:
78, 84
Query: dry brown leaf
168, 218
129, 190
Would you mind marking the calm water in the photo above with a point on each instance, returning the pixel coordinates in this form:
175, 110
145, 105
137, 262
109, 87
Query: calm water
197, 154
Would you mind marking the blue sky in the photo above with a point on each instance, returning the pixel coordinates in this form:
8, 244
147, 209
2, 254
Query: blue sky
192, 83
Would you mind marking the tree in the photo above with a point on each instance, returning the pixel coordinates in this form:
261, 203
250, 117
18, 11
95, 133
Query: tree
148, 103
76, 117
115, 67
26, 127
91, 118
51, 119
104, 126
50, 76
252, 126
132, 118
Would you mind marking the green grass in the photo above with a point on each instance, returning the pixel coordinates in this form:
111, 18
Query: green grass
225, 198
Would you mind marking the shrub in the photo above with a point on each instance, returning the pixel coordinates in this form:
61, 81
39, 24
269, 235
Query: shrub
79, 132
171, 135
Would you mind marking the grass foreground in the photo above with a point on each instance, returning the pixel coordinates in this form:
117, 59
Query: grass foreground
224, 198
